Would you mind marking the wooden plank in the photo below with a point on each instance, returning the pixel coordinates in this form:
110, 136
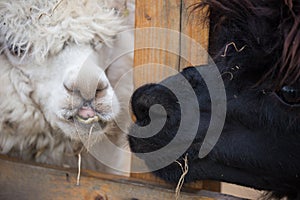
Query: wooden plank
193, 51
152, 65
195, 35
19, 180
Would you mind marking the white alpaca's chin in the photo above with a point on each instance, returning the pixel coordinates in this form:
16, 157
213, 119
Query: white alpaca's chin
84, 132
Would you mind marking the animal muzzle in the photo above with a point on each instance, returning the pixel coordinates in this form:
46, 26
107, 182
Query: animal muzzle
87, 115
167, 115
154, 107
91, 95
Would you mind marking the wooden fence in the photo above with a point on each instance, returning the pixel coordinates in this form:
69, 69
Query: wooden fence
179, 31
21, 180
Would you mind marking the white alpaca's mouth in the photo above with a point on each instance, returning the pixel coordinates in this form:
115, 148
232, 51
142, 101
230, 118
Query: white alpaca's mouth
86, 116
89, 120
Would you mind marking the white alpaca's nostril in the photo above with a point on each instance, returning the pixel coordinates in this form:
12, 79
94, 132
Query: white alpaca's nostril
86, 104
68, 87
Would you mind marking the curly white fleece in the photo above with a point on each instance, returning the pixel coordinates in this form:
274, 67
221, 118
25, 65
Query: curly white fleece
37, 38
42, 28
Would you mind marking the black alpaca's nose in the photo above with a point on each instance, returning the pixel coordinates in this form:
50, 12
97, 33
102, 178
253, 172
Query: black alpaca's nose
145, 98
141, 102
174, 94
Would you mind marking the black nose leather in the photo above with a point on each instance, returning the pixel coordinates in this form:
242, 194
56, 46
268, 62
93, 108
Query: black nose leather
142, 100
290, 94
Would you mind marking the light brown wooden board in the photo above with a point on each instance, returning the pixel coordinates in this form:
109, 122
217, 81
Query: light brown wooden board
195, 38
29, 181
162, 14
153, 65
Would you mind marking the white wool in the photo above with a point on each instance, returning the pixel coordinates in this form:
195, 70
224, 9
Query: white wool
43, 44
41, 28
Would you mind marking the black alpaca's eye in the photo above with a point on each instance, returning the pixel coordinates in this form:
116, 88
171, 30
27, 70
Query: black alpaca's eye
290, 94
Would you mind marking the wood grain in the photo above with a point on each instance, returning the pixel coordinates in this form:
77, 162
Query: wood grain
195, 35
184, 42
27, 181
187, 39
152, 65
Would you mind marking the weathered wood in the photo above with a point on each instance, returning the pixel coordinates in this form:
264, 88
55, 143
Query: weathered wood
19, 180
195, 38
152, 65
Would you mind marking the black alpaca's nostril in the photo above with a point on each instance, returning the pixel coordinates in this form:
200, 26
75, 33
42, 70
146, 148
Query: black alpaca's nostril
141, 101
154, 102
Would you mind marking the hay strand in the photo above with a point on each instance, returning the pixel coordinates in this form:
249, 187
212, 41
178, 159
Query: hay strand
89, 138
235, 47
229, 73
52, 10
79, 167
184, 170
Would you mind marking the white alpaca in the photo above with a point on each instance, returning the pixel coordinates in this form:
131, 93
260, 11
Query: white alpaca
59, 72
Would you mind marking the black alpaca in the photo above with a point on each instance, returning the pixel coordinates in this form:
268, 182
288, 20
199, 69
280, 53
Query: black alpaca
256, 46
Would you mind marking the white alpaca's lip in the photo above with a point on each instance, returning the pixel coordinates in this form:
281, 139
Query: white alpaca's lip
89, 120
73, 117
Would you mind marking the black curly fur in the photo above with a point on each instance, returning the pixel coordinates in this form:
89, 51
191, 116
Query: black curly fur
270, 29
260, 143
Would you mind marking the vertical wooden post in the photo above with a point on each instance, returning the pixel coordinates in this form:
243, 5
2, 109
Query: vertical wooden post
148, 62
153, 65
161, 14
194, 27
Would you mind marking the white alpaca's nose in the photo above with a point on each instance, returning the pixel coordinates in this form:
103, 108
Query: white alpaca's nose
89, 82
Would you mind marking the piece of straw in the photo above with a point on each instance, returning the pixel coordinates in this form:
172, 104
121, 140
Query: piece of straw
52, 10
235, 47
79, 167
79, 155
184, 170
90, 133
229, 73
